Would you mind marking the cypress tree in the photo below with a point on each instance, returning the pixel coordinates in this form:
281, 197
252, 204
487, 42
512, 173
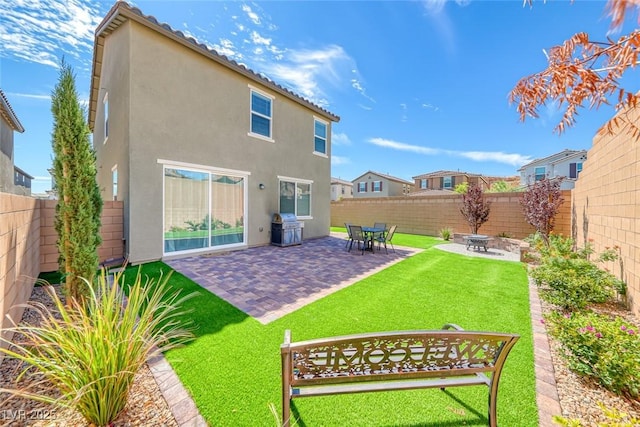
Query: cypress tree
77, 219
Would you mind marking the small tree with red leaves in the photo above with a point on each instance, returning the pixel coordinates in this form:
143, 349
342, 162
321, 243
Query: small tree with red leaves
475, 208
541, 203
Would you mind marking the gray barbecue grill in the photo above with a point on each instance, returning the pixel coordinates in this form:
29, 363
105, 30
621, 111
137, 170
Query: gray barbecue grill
286, 230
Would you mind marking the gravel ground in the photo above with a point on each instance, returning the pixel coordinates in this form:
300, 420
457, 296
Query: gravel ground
146, 405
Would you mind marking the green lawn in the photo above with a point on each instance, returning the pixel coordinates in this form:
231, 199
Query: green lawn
232, 368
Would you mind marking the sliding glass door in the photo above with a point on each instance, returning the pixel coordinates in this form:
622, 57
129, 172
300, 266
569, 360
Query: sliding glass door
202, 210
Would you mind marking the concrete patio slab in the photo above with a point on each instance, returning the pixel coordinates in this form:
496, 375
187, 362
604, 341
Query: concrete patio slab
268, 282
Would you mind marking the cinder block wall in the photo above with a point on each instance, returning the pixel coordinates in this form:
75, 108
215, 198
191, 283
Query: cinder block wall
429, 214
19, 254
606, 204
111, 231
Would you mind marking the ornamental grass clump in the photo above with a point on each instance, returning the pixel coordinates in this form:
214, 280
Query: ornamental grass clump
90, 353
603, 348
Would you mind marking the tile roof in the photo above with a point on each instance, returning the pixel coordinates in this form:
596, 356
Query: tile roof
445, 173
7, 112
389, 177
562, 155
122, 11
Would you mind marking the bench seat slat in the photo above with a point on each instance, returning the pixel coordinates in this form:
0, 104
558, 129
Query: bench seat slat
387, 386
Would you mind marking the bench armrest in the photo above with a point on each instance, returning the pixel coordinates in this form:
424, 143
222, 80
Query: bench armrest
452, 326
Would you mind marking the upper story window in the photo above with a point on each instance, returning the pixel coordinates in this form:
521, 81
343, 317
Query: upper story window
362, 187
261, 114
447, 182
320, 137
377, 186
295, 196
105, 103
540, 172
423, 183
575, 169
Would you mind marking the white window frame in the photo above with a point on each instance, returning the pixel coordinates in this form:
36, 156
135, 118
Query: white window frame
362, 187
114, 182
536, 174
211, 170
297, 181
253, 90
325, 138
444, 181
105, 105
373, 187
423, 183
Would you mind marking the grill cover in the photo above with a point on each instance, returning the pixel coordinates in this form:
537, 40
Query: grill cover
280, 218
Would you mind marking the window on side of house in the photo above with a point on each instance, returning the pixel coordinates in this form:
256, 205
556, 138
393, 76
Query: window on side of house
114, 182
295, 197
575, 169
540, 173
320, 137
105, 103
377, 186
261, 115
362, 187
423, 183
447, 182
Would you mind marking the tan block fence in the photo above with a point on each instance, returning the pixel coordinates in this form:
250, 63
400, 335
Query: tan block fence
28, 246
428, 215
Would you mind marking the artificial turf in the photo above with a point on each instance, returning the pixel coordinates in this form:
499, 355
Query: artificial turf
232, 368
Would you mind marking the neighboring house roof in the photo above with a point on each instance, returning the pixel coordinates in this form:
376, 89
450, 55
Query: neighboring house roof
382, 175
555, 158
122, 11
445, 173
340, 181
7, 112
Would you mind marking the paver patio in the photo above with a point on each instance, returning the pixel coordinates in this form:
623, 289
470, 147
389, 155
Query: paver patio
268, 282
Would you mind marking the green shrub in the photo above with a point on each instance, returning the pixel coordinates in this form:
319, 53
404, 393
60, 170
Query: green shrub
445, 233
91, 353
600, 347
574, 283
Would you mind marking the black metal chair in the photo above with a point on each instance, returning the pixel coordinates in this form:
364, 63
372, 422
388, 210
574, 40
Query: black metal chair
357, 235
383, 240
350, 239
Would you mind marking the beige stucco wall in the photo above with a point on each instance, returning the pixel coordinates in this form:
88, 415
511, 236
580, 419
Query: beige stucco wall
606, 204
19, 254
429, 214
6, 157
182, 107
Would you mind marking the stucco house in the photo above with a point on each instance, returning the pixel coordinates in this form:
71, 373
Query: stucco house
567, 164
375, 184
447, 180
341, 189
12, 179
201, 150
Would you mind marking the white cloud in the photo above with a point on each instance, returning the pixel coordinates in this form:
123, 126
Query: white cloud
340, 139
251, 14
512, 159
41, 31
30, 96
339, 160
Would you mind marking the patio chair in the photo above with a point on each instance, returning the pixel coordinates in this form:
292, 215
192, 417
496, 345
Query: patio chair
357, 235
379, 225
350, 239
383, 240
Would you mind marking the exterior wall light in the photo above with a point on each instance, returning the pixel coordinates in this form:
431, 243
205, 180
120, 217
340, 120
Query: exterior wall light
261, 186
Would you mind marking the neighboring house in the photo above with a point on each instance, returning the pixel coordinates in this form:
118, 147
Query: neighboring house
201, 150
566, 164
447, 180
375, 184
9, 123
21, 182
341, 189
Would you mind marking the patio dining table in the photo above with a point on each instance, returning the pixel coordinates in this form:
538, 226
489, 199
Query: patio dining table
370, 233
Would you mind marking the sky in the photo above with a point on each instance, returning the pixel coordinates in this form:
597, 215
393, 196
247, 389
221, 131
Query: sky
420, 86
